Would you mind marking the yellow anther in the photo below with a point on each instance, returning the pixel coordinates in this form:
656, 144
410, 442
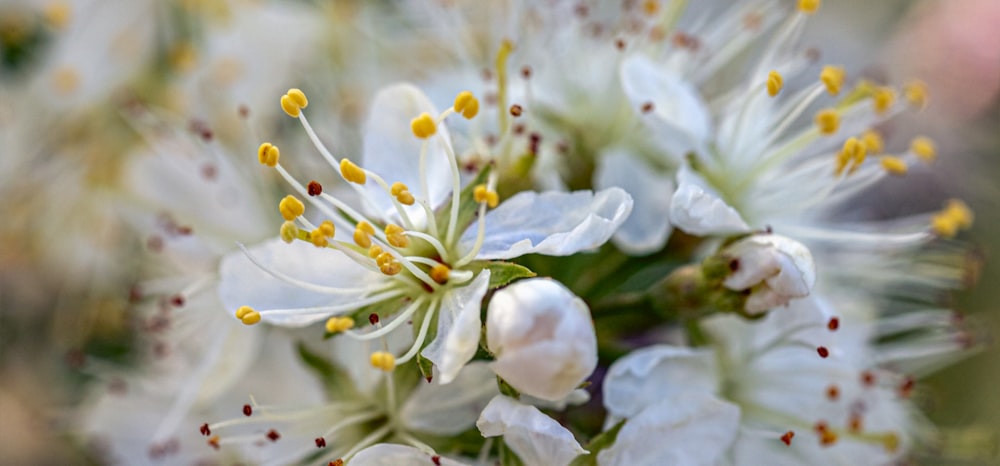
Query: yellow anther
242, 311
650, 7
327, 229
289, 232
471, 109
883, 98
890, 442
916, 93
828, 121
396, 236
293, 102
481, 194
774, 83
440, 273
183, 57
873, 141
894, 165
809, 6
57, 14
352, 172
954, 217
402, 193
461, 100
383, 360
828, 437
833, 78
268, 154
423, 126
317, 238
66, 80
363, 233
960, 212
852, 155
388, 264
290, 207
339, 324
247, 315
924, 148
375, 251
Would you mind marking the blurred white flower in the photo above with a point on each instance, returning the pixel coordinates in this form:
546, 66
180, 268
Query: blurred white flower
536, 438
390, 454
433, 266
542, 337
772, 268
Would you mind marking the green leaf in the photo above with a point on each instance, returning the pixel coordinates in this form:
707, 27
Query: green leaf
467, 206
501, 273
601, 441
333, 378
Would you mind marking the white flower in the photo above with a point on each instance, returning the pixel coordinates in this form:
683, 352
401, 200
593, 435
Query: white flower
773, 268
536, 438
405, 255
803, 386
388, 454
542, 337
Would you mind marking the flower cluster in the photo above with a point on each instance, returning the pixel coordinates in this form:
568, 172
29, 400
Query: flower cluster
516, 233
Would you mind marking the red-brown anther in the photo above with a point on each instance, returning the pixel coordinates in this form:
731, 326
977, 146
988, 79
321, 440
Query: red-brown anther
906, 389
526, 72
823, 352
581, 10
821, 427
518, 129
243, 111
620, 44
320, 442
247, 410
534, 140
205, 430
214, 442
177, 300
787, 437
184, 230
336, 462
436, 459
516, 110
373, 318
833, 324
154, 243
273, 435
833, 392
647, 107
314, 188
867, 378
855, 423
827, 438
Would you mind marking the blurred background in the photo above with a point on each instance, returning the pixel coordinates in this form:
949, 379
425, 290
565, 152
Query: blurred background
76, 75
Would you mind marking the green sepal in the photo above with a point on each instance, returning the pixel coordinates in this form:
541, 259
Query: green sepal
501, 272
467, 206
507, 390
601, 441
333, 378
426, 367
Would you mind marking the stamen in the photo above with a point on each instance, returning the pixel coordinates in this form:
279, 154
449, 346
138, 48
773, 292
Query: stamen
289, 232
402, 193
293, 102
363, 233
833, 78
423, 126
883, 98
247, 410
482, 195
954, 217
383, 360
314, 188
774, 83
823, 352
923, 147
516, 110
388, 264
352, 172
828, 121
290, 208
833, 324
339, 324
852, 155
299, 283
396, 236
833, 392
268, 154
809, 6
893, 165
786, 438
57, 14
916, 93
383, 330
317, 238
873, 141
418, 342
440, 273
247, 315
466, 104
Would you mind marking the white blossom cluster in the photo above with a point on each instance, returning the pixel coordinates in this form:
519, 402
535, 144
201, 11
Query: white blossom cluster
484, 233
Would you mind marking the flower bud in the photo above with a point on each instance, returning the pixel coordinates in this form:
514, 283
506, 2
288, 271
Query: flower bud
542, 337
775, 270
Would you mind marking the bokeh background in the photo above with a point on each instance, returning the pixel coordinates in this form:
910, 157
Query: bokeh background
69, 253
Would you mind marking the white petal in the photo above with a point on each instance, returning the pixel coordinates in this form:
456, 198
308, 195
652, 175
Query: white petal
244, 284
536, 438
645, 376
691, 429
392, 151
699, 212
679, 117
646, 230
459, 327
550, 223
450, 409
390, 454
542, 336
